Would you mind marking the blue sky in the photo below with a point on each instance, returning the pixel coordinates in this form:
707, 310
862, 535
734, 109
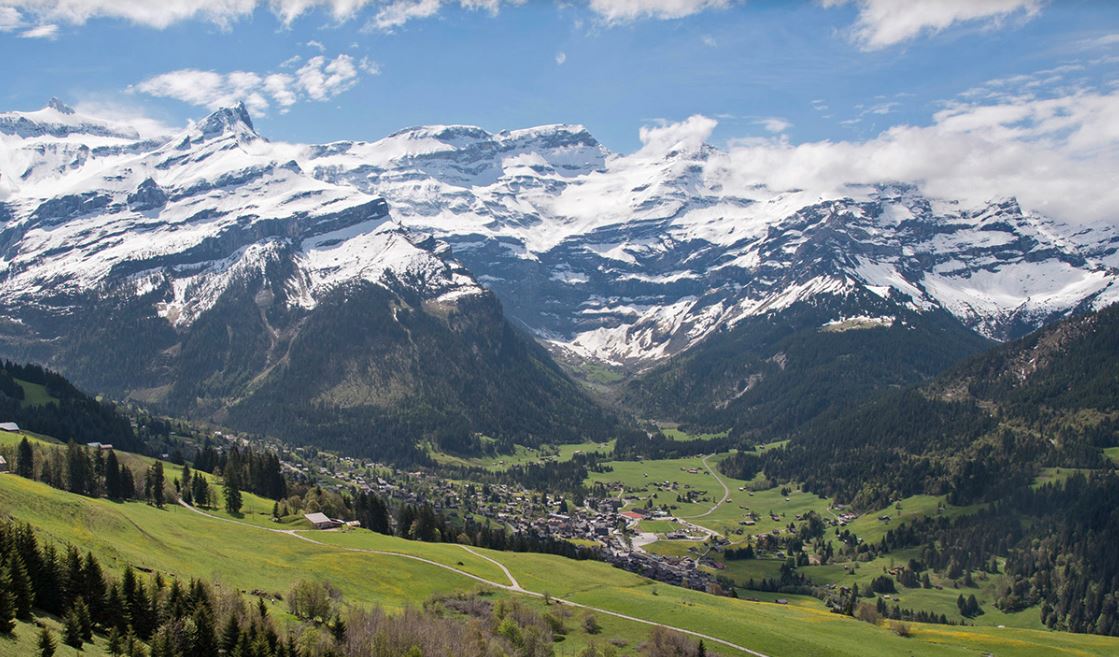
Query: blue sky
320, 70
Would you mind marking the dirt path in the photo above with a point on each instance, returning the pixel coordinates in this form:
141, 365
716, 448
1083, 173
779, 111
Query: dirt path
514, 586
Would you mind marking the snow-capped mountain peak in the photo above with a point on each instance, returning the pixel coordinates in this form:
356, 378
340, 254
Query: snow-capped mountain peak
625, 258
57, 105
234, 120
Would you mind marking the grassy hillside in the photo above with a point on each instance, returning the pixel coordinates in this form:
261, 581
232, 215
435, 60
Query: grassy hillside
182, 542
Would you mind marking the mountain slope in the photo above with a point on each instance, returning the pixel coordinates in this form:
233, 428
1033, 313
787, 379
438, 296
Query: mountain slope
663, 264
770, 375
728, 299
978, 431
630, 259
211, 276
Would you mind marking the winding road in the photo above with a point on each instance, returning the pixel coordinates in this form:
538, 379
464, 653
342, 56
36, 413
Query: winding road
726, 491
513, 585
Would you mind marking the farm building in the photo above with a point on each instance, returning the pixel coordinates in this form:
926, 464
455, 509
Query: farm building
321, 521
101, 446
10, 427
3, 465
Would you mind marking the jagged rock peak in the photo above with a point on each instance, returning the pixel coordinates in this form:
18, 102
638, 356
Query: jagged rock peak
57, 105
226, 119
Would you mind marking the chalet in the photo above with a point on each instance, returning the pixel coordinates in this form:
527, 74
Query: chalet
321, 521
101, 446
3, 465
10, 427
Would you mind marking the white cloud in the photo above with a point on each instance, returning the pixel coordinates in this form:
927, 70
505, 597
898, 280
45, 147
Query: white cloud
395, 13
884, 23
340, 10
619, 11
10, 19
709, 41
319, 79
1105, 41
45, 31
561, 57
398, 12
119, 110
1058, 156
774, 123
317, 45
157, 14
370, 66
687, 135
280, 87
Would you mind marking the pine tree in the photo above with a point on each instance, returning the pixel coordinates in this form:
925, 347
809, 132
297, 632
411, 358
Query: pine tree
93, 589
200, 490
204, 643
23, 592
115, 644
232, 495
85, 619
72, 630
230, 635
127, 484
7, 607
185, 492
112, 477
25, 460
46, 643
157, 483
48, 584
78, 469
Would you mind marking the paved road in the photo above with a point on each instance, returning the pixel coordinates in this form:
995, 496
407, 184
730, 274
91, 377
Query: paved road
514, 586
726, 492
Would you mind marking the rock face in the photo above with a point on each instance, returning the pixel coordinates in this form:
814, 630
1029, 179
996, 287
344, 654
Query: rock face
211, 275
631, 259
208, 253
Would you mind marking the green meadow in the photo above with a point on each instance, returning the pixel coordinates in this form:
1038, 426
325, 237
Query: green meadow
179, 542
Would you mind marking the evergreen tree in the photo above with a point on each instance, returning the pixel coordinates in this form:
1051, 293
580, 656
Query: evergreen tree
94, 588
7, 606
232, 495
204, 643
112, 477
185, 491
46, 643
157, 482
72, 630
19, 583
78, 469
84, 618
25, 460
127, 484
115, 643
200, 490
230, 635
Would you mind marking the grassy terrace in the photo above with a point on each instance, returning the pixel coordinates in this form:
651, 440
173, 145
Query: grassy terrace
523, 455
643, 479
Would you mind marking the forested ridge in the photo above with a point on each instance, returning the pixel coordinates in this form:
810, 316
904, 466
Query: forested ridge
981, 434
67, 414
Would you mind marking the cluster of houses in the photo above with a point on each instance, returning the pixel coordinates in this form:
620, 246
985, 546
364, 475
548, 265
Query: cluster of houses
679, 571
